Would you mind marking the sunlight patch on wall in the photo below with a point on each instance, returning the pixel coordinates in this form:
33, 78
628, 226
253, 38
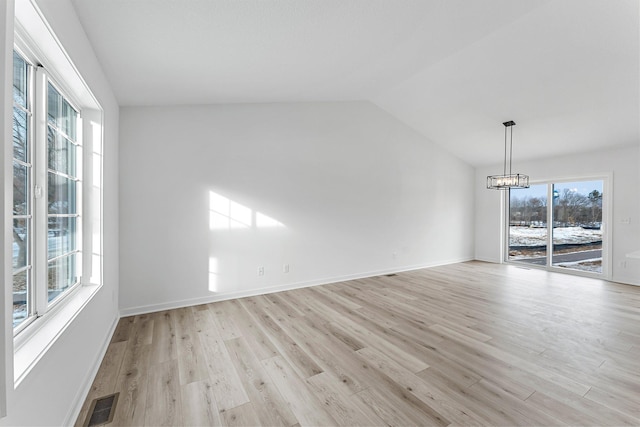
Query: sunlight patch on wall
263, 221
225, 214
213, 274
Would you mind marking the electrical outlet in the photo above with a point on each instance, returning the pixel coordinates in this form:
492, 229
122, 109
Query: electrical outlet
622, 264
285, 268
260, 271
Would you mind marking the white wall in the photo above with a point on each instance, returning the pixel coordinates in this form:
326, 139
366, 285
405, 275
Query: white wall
350, 184
51, 392
622, 163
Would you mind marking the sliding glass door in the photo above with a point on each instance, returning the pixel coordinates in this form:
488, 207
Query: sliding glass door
528, 231
577, 225
565, 233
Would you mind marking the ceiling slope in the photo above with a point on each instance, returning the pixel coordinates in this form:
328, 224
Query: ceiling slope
566, 71
167, 52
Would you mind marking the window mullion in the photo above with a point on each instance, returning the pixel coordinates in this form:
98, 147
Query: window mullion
549, 224
40, 191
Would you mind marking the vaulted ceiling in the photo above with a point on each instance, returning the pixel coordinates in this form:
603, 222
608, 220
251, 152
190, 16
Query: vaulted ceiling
567, 71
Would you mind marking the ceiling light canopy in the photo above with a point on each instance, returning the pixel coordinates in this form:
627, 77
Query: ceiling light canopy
508, 180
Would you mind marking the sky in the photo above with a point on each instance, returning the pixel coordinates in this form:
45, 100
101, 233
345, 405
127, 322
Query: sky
540, 190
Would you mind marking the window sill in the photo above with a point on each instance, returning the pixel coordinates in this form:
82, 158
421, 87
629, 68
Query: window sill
47, 329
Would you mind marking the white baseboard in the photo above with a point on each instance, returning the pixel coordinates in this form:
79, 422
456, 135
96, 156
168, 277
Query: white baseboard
625, 281
492, 261
132, 311
83, 391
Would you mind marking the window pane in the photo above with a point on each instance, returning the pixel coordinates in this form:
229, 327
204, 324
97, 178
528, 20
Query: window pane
62, 195
61, 153
20, 242
61, 160
53, 106
528, 224
20, 82
61, 236
577, 221
62, 275
20, 123
20, 297
68, 119
20, 189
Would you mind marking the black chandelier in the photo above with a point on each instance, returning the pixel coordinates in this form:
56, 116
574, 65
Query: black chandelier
507, 180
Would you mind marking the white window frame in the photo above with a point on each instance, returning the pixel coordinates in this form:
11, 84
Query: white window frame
30, 131
43, 79
39, 80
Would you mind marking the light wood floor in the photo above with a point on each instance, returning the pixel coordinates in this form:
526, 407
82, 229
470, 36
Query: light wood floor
465, 344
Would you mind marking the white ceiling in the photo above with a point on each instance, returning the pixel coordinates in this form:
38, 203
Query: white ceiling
567, 71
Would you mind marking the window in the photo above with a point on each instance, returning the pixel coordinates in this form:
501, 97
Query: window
22, 173
566, 233
58, 130
62, 194
47, 192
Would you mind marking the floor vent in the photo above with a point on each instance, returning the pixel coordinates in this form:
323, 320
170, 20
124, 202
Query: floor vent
102, 410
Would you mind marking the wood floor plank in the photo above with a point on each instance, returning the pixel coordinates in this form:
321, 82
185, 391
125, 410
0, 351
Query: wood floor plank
109, 370
603, 415
345, 302
253, 334
142, 330
131, 401
491, 395
562, 411
164, 401
463, 344
199, 404
303, 403
123, 329
164, 345
242, 416
132, 384
330, 356
436, 407
291, 310
346, 409
225, 324
365, 337
191, 360
380, 316
463, 396
615, 401
619, 378
508, 360
392, 411
267, 402
228, 389
286, 346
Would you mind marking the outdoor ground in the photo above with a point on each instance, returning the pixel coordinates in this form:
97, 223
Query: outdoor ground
528, 245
